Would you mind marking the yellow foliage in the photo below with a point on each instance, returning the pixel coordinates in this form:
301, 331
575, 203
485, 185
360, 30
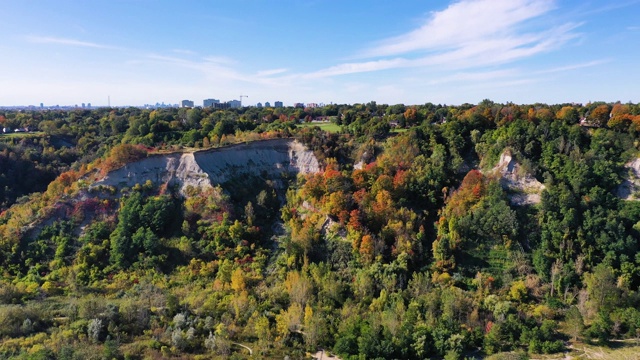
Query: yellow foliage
237, 280
543, 312
443, 279
51, 288
308, 315
518, 290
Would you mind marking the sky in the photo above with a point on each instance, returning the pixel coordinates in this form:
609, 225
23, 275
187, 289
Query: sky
137, 52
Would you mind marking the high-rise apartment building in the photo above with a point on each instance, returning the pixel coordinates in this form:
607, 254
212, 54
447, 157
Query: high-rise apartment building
210, 102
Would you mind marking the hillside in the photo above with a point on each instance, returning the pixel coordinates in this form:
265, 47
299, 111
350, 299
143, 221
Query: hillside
499, 230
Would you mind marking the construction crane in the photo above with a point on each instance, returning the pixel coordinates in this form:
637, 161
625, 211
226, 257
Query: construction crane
241, 96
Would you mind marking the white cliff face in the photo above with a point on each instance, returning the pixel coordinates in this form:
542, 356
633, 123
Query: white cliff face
270, 158
629, 188
526, 189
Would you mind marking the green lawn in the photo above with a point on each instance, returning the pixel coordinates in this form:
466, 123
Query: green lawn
22, 134
330, 127
333, 128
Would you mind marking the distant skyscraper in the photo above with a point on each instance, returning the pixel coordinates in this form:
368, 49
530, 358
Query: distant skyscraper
187, 103
83, 105
89, 105
278, 104
298, 105
235, 104
41, 106
259, 105
267, 104
210, 102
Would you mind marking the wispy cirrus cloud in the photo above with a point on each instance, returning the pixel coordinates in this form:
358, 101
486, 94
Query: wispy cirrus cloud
463, 23
475, 76
467, 34
220, 68
65, 41
463, 42
357, 67
271, 72
574, 66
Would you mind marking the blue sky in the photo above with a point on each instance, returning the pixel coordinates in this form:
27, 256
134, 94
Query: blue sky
323, 51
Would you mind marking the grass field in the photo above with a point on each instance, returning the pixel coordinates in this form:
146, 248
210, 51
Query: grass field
22, 134
333, 128
330, 127
616, 350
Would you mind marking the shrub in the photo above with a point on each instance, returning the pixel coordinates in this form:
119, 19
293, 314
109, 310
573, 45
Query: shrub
94, 329
550, 347
20, 320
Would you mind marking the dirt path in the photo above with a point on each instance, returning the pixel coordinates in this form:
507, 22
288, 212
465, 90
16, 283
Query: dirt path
243, 346
322, 355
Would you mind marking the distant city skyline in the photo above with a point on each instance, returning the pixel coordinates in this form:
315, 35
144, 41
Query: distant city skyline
323, 51
209, 102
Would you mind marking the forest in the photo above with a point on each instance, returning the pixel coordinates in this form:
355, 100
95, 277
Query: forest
488, 230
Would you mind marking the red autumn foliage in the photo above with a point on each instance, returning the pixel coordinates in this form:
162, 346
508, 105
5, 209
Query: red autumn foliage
470, 191
354, 220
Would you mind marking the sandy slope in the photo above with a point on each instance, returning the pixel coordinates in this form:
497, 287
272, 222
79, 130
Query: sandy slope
629, 187
268, 158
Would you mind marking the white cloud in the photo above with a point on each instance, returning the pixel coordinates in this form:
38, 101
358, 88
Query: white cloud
358, 67
65, 41
271, 72
573, 67
220, 60
467, 34
463, 23
475, 76
220, 69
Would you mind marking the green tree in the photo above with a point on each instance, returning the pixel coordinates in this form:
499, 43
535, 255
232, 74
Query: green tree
574, 322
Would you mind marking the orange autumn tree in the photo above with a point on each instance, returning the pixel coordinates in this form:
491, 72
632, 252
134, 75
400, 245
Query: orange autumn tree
621, 117
121, 155
367, 248
600, 115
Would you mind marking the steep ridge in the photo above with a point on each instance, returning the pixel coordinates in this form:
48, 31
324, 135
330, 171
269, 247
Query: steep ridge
267, 158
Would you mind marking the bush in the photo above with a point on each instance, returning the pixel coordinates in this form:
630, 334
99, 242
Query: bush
551, 347
10, 294
20, 320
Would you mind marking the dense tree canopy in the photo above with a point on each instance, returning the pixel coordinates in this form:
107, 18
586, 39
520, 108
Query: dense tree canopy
410, 242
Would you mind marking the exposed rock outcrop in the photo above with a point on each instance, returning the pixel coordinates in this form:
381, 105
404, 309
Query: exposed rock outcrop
268, 158
630, 186
523, 187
